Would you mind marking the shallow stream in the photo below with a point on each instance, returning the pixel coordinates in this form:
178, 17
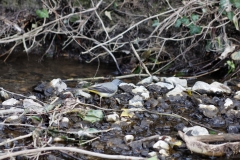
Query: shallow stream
21, 73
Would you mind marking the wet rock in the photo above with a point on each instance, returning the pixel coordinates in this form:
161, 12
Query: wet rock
144, 152
32, 106
217, 122
10, 102
178, 90
40, 87
233, 129
127, 87
195, 131
152, 102
118, 145
98, 146
145, 124
142, 91
209, 111
215, 101
175, 81
179, 127
233, 113
49, 91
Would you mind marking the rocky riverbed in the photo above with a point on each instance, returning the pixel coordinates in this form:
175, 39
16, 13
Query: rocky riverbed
152, 119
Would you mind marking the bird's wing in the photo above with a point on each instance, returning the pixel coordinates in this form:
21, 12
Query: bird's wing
108, 87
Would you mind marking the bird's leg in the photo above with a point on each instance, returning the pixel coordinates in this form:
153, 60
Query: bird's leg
100, 101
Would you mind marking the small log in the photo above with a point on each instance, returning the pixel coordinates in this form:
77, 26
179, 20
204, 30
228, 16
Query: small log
210, 149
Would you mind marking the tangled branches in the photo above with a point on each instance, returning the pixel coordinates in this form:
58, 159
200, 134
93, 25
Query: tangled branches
108, 28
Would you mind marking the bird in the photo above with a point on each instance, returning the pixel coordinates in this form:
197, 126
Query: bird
107, 89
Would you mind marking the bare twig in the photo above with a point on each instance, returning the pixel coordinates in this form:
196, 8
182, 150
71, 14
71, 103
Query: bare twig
70, 149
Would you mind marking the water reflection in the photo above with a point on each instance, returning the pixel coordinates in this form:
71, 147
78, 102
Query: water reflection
20, 73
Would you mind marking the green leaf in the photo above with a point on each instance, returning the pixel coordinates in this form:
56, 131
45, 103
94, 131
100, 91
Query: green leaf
36, 118
155, 23
231, 66
93, 116
224, 3
194, 17
212, 132
178, 23
236, 56
42, 13
185, 21
137, 70
74, 18
230, 15
195, 29
235, 3
115, 5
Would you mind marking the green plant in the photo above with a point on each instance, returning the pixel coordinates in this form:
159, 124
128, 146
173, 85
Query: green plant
231, 66
42, 13
194, 29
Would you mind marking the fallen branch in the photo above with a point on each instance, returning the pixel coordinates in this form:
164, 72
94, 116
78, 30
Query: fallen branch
71, 149
210, 149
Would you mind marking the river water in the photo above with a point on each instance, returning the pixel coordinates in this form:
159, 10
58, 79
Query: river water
21, 73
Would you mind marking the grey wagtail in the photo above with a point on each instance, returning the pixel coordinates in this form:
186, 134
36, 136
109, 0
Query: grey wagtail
107, 89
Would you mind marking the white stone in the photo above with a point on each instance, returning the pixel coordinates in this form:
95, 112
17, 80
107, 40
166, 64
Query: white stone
175, 81
237, 95
142, 91
12, 118
65, 119
136, 101
128, 84
219, 87
112, 117
178, 90
148, 80
199, 85
166, 85
164, 152
58, 84
30, 105
128, 138
152, 154
214, 87
228, 103
209, 111
196, 130
161, 145
82, 93
10, 102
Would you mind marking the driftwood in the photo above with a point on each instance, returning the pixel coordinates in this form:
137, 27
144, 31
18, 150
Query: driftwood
195, 145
